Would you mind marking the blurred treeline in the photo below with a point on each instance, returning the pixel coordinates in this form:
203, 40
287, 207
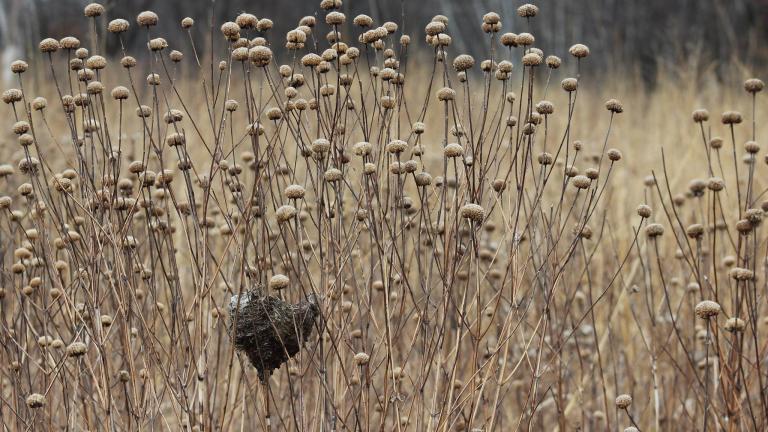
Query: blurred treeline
637, 36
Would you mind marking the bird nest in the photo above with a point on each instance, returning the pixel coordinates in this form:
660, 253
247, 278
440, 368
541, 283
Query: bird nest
269, 330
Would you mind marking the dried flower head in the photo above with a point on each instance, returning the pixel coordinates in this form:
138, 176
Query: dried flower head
654, 230
463, 62
753, 85
707, 309
614, 106
473, 212
579, 51
93, 10
118, 25
35, 400
49, 45
147, 19
731, 117
623, 401
528, 10
279, 282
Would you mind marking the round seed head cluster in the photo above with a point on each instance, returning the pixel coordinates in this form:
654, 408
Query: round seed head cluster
93, 10
754, 85
582, 182
528, 10
654, 230
118, 26
76, 349
623, 401
35, 400
707, 309
147, 19
279, 282
579, 51
614, 106
362, 359
731, 117
463, 62
473, 212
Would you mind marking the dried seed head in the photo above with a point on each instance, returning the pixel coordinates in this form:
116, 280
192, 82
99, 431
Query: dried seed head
335, 18
453, 150
279, 282
753, 85
260, 55
644, 211
554, 62
19, 66
230, 30
579, 51
695, 231
246, 21
545, 107
157, 44
69, 43
752, 147
715, 184
93, 10
582, 182
39, 103
491, 18
735, 325
396, 146
509, 40
363, 21
741, 274
264, 24
532, 59
76, 349
187, 23
330, 4
528, 10
362, 359
147, 19
434, 28
473, 212
446, 94
333, 175
128, 62
700, 115
463, 62
614, 155
118, 25
525, 39
35, 400
49, 45
731, 117
569, 84
623, 401
654, 230
614, 106
423, 179
20, 127
707, 309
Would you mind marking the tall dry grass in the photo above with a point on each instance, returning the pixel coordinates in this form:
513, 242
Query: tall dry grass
474, 237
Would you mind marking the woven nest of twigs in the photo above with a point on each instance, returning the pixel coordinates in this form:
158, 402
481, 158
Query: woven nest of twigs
269, 330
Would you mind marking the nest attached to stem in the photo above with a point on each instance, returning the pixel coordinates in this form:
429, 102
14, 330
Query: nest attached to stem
269, 330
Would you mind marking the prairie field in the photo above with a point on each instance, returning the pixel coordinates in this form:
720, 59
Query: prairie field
347, 226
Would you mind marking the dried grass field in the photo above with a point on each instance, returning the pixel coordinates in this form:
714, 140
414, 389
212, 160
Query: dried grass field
370, 231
